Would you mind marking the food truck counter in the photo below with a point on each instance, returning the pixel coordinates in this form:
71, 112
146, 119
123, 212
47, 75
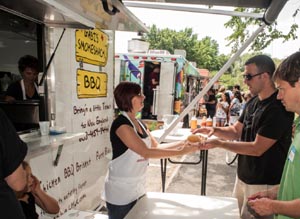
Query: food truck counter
38, 144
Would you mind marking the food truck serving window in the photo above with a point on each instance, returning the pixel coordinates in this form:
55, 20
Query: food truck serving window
18, 37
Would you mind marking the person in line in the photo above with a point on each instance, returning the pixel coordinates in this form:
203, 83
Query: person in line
222, 110
221, 90
154, 82
25, 89
263, 133
246, 96
284, 200
211, 103
236, 87
33, 194
132, 147
235, 107
13, 178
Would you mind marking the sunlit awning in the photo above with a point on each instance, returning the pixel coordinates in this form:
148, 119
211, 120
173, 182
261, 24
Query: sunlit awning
107, 15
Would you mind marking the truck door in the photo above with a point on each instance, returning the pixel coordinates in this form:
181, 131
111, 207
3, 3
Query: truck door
164, 98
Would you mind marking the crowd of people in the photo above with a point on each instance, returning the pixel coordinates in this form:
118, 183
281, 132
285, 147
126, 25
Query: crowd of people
225, 105
267, 183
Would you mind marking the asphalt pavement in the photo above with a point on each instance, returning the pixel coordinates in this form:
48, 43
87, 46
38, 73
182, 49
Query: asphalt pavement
186, 179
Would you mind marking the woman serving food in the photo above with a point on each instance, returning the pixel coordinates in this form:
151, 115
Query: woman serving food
132, 147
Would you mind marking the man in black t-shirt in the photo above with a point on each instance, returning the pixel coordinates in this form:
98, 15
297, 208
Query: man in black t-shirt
12, 175
264, 133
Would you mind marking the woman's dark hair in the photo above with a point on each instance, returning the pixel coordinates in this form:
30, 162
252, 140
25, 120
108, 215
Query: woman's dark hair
237, 86
28, 61
238, 95
289, 69
124, 93
227, 97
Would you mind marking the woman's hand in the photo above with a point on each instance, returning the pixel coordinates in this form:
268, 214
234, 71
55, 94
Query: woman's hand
189, 147
205, 130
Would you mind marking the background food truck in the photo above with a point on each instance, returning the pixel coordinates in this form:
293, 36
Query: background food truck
179, 80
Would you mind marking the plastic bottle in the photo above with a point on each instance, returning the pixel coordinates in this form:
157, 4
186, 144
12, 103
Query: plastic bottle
193, 123
209, 122
203, 121
214, 121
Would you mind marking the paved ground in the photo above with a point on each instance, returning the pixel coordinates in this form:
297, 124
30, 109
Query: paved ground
187, 178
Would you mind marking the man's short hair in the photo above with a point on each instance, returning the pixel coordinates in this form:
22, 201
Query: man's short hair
289, 69
263, 62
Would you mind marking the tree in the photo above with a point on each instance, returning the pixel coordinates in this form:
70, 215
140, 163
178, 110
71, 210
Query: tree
167, 39
204, 52
241, 31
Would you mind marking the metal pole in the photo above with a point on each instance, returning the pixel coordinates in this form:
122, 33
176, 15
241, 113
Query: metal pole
182, 7
211, 82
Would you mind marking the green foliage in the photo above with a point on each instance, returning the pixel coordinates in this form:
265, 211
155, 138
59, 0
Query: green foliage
241, 31
204, 52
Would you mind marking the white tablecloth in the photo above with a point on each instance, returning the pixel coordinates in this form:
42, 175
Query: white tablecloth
181, 206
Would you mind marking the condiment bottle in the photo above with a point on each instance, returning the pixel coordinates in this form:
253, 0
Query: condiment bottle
193, 123
203, 121
209, 122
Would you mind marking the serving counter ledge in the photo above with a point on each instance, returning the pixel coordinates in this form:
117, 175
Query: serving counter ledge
38, 144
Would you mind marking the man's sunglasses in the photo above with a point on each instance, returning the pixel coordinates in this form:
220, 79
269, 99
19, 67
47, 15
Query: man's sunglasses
249, 77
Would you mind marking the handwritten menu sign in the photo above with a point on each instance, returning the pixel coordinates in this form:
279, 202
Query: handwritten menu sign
96, 125
71, 182
91, 47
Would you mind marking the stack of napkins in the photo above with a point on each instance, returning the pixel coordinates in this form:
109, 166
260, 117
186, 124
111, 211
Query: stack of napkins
56, 130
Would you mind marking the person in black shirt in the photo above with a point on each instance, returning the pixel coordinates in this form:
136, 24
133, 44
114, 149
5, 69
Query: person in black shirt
25, 89
264, 132
12, 176
211, 103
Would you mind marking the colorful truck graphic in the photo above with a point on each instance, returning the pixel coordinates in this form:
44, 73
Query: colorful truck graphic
177, 78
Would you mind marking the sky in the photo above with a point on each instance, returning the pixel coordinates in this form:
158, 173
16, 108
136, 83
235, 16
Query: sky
210, 25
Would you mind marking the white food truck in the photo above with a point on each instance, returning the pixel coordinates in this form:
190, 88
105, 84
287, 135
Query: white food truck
74, 43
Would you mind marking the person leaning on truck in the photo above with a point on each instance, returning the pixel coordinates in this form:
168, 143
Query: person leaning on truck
284, 200
263, 132
132, 146
12, 175
26, 88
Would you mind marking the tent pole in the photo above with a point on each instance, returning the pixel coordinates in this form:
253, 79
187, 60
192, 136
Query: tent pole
212, 81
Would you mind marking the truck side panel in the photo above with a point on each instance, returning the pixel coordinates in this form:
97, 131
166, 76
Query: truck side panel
77, 180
